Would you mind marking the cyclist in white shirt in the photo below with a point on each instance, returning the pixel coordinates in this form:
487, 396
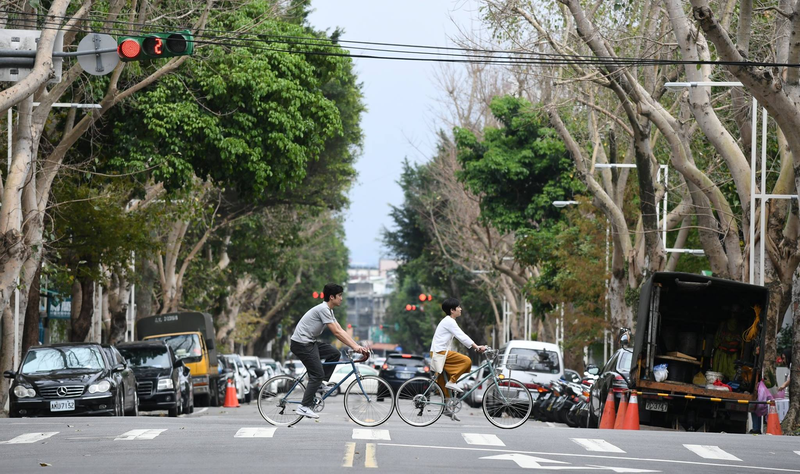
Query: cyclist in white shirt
455, 364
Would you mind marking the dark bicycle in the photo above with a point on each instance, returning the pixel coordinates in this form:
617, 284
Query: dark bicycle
368, 400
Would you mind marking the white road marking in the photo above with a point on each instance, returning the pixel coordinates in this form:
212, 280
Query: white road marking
29, 438
360, 433
533, 462
711, 452
797, 452
598, 445
371, 456
592, 456
482, 439
349, 454
255, 433
138, 434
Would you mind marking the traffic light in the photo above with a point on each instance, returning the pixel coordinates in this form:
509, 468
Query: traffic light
424, 297
155, 46
314, 295
408, 307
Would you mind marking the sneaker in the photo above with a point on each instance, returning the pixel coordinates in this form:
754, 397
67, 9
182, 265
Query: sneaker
452, 386
305, 411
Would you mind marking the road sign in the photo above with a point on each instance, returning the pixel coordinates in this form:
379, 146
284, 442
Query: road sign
98, 64
27, 40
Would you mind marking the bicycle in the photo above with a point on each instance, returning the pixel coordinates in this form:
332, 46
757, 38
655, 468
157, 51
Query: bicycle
368, 400
507, 403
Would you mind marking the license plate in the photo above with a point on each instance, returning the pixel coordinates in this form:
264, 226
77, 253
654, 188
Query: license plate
654, 405
404, 375
62, 405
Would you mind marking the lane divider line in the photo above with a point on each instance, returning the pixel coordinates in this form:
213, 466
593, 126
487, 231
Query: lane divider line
138, 435
482, 439
371, 456
597, 445
29, 438
711, 452
360, 433
349, 454
255, 433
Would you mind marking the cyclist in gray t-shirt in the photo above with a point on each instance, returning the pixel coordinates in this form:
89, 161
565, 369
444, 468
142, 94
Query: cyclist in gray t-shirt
312, 352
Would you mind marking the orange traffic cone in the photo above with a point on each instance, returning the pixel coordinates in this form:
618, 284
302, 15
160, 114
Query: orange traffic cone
773, 421
623, 405
607, 420
231, 400
632, 414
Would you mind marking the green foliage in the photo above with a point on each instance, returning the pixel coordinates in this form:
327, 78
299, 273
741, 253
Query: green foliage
517, 170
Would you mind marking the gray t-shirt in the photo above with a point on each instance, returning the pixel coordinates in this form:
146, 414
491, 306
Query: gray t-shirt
313, 323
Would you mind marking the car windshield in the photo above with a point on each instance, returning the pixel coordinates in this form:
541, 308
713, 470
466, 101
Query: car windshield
250, 364
624, 364
184, 345
269, 364
62, 358
157, 357
533, 360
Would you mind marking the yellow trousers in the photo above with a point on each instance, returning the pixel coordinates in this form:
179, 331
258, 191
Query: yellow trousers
455, 365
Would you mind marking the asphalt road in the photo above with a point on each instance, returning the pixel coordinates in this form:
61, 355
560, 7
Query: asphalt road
237, 440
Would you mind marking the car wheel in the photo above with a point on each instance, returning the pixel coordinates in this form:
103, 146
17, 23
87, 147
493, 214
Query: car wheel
119, 409
135, 410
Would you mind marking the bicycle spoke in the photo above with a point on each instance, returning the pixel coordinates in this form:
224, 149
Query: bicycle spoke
420, 402
507, 405
369, 403
276, 404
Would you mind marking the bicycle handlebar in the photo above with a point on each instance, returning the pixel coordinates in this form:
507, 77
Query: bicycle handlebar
363, 358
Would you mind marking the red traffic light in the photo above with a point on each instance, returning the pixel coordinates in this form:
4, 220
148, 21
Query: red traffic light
129, 49
321, 295
422, 297
314, 295
349, 326
430, 297
413, 307
408, 307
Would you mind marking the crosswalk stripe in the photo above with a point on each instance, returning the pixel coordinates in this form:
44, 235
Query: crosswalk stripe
597, 445
371, 434
29, 438
138, 434
711, 452
797, 452
255, 433
370, 456
482, 439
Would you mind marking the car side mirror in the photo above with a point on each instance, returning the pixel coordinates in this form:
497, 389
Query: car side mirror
259, 372
9, 374
118, 368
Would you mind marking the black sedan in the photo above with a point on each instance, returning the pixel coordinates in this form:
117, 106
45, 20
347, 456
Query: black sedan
163, 382
614, 377
400, 367
67, 379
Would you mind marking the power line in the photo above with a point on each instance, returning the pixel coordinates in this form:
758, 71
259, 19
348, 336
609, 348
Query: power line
497, 57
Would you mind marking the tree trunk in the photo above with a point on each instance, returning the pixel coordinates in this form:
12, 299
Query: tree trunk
7, 353
82, 323
118, 294
30, 333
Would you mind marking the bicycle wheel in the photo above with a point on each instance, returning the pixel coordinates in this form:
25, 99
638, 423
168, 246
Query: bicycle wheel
279, 399
508, 405
371, 406
420, 401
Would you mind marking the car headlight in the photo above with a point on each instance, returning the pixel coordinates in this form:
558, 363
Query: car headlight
24, 392
102, 386
165, 384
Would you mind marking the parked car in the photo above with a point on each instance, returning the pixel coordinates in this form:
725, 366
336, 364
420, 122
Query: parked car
68, 379
162, 381
241, 377
533, 363
274, 365
294, 367
343, 370
125, 378
615, 377
400, 367
258, 374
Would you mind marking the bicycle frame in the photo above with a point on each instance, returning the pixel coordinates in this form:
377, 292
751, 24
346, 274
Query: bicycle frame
353, 370
491, 375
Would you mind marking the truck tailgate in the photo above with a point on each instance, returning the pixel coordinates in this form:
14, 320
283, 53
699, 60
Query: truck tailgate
689, 389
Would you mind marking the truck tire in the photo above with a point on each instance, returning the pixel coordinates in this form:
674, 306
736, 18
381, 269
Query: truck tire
213, 392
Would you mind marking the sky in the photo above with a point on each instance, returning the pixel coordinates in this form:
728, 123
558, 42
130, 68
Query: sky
401, 118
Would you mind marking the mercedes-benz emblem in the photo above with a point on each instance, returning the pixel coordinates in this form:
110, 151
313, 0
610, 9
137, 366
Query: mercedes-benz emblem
61, 391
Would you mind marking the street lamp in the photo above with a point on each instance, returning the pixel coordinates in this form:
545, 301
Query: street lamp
564, 203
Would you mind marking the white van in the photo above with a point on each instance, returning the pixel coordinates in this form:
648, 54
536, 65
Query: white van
533, 363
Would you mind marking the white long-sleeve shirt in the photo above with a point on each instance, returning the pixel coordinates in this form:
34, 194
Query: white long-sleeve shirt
445, 331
